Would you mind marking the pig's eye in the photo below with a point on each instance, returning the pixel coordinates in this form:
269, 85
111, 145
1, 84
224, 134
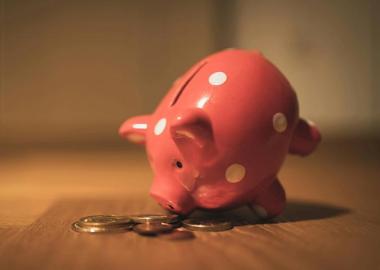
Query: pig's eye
178, 164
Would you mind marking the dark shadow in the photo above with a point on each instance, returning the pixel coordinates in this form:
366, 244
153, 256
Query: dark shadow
296, 210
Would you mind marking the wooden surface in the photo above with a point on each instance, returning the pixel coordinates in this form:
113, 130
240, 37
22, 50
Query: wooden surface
332, 220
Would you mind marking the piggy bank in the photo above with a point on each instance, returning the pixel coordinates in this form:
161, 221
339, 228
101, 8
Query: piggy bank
219, 137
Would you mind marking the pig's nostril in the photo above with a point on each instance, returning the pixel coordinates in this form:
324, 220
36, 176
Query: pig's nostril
171, 206
179, 164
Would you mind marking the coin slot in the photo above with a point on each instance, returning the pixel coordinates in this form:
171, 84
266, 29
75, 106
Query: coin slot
182, 89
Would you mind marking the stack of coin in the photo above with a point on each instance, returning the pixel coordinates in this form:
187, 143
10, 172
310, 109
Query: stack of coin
171, 218
103, 224
152, 228
150, 225
155, 224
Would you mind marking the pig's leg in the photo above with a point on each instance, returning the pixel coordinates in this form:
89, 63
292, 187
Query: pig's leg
270, 202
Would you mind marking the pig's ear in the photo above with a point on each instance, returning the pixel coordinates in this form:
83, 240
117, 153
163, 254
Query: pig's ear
193, 135
305, 139
134, 129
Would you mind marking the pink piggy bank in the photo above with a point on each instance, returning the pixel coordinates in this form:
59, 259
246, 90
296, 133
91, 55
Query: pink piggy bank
219, 137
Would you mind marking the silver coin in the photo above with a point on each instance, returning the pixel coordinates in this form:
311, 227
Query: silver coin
149, 218
104, 220
152, 228
179, 234
79, 227
207, 225
175, 225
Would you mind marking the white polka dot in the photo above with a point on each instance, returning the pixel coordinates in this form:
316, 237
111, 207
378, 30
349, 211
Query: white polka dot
235, 173
160, 126
260, 211
279, 122
217, 78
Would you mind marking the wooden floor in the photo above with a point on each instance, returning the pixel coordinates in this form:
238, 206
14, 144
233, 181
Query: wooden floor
332, 220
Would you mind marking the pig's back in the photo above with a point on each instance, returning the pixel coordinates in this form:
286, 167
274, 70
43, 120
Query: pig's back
241, 92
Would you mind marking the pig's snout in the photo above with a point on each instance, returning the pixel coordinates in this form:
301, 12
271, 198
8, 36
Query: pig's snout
172, 197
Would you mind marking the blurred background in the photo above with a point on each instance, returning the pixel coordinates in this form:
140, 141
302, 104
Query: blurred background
72, 71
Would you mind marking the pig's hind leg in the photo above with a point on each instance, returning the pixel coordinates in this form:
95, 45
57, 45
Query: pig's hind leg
270, 202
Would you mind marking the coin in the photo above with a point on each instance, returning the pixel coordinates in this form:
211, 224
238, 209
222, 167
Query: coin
179, 234
175, 225
79, 227
207, 225
152, 228
171, 218
105, 220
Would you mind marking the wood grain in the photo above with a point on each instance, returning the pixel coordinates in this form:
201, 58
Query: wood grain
332, 219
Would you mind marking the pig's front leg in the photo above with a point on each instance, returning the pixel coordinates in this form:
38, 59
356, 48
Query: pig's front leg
270, 202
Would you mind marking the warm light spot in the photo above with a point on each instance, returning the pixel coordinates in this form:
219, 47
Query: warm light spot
185, 133
140, 126
136, 138
202, 102
311, 123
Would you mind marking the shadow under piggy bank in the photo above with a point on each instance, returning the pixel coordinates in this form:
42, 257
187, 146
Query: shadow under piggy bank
296, 210
306, 210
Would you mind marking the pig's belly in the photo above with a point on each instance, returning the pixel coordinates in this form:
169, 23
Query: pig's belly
211, 197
